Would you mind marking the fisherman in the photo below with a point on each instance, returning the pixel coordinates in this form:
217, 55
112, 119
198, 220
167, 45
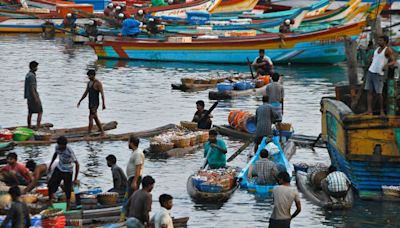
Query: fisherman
264, 169
139, 205
38, 172
63, 171
91, 28
135, 167
15, 173
94, 88
265, 116
118, 11
69, 21
201, 116
130, 27
383, 58
285, 26
140, 16
283, 197
119, 179
263, 64
162, 219
119, 20
152, 26
32, 95
336, 184
18, 213
215, 151
275, 93
109, 10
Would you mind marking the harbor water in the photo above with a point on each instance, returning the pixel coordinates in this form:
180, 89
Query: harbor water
139, 96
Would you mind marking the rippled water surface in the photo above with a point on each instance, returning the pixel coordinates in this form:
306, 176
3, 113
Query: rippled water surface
139, 97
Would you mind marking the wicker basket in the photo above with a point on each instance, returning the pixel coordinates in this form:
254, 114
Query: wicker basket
108, 198
193, 139
189, 125
202, 137
157, 147
213, 81
29, 198
259, 83
181, 142
187, 80
284, 126
391, 191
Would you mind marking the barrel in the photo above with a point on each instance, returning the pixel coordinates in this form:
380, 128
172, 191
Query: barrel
231, 117
238, 118
266, 79
247, 123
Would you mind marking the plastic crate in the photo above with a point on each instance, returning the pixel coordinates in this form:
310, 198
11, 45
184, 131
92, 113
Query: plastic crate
197, 183
210, 188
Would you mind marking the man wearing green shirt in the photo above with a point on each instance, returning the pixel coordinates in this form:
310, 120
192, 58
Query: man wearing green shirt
215, 151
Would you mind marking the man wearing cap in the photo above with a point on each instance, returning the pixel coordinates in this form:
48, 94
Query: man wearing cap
32, 96
93, 88
285, 26
109, 11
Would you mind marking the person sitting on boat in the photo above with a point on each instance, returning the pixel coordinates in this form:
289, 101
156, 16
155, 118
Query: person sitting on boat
152, 26
336, 184
15, 173
264, 170
215, 151
140, 16
200, 117
118, 10
130, 27
275, 93
119, 178
263, 64
69, 21
265, 116
18, 214
38, 172
91, 28
162, 219
285, 26
109, 10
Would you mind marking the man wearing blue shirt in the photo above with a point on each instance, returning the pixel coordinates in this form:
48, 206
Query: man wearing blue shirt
215, 151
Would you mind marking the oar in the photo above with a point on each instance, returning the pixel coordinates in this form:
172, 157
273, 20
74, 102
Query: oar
206, 161
251, 69
240, 150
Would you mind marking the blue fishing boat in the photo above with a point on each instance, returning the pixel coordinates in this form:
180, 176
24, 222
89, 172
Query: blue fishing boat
279, 158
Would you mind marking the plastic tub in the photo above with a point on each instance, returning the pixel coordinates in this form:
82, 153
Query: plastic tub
224, 86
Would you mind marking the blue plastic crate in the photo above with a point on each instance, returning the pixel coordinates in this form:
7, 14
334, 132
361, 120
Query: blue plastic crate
197, 183
210, 188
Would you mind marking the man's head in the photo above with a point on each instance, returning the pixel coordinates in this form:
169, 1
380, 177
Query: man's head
110, 6
118, 8
133, 142
121, 15
148, 183
166, 201
283, 178
69, 15
15, 192
200, 105
212, 136
383, 40
332, 169
264, 153
33, 66
12, 158
91, 74
275, 77
265, 99
111, 160
62, 143
261, 52
31, 165
287, 22
140, 12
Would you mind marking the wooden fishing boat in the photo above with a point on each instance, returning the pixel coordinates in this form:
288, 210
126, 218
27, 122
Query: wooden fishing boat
234, 6
6, 146
325, 46
319, 197
208, 197
279, 158
192, 87
10, 25
364, 147
337, 14
175, 152
231, 94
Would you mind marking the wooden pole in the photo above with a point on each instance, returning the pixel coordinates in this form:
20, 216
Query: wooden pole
351, 56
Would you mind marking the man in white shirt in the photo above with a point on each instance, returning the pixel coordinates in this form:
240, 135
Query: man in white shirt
134, 169
162, 219
263, 64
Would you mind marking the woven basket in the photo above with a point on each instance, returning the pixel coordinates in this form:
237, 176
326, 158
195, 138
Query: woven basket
29, 198
204, 81
193, 139
284, 126
259, 83
181, 142
213, 81
387, 191
203, 137
108, 198
160, 147
187, 80
189, 125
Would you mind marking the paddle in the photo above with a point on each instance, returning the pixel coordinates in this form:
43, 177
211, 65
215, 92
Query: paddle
240, 150
251, 69
206, 161
208, 112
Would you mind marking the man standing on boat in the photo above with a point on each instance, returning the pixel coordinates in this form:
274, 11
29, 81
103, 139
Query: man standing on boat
284, 195
32, 95
93, 88
275, 93
201, 117
215, 151
336, 184
263, 64
382, 59
265, 116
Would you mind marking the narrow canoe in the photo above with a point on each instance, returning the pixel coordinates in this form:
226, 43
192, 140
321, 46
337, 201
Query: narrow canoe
175, 152
192, 87
320, 198
208, 197
279, 159
215, 95
6, 146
